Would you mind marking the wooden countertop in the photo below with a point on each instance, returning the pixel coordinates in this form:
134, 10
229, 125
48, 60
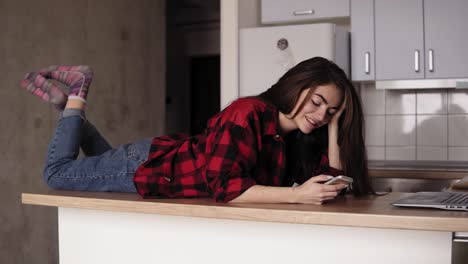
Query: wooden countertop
376, 212
417, 174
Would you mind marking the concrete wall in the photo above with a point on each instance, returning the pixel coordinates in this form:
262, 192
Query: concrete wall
124, 41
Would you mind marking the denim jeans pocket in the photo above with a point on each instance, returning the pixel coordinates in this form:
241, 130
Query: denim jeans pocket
139, 151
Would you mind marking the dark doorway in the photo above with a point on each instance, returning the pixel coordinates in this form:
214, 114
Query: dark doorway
204, 92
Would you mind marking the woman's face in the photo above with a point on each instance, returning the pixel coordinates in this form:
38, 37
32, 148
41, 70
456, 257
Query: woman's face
318, 110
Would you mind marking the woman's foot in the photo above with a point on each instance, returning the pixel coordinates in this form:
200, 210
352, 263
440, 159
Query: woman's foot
77, 78
36, 84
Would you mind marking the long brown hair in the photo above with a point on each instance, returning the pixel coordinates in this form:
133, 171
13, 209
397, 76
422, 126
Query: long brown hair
303, 151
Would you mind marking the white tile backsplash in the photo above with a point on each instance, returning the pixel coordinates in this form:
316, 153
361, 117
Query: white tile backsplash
375, 130
432, 153
400, 130
415, 124
373, 100
400, 102
458, 102
458, 154
375, 153
431, 102
431, 130
458, 130
400, 153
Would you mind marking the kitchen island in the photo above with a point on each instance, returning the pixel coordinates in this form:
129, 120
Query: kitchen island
124, 228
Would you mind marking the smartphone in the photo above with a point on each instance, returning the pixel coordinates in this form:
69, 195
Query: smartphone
340, 179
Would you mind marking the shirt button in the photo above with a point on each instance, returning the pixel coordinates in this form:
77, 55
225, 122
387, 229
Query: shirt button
167, 178
277, 137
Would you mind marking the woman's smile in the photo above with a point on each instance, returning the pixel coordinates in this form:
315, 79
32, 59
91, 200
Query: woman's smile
311, 122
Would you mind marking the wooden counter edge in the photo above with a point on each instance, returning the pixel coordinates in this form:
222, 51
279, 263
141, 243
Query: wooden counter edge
253, 214
415, 174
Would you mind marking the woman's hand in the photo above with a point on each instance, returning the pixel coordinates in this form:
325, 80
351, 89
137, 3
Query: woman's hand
313, 192
336, 116
333, 131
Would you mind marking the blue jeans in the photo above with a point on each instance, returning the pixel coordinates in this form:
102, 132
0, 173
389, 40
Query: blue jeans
103, 168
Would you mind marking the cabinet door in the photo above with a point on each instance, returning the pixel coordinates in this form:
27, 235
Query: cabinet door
445, 28
362, 40
280, 11
399, 39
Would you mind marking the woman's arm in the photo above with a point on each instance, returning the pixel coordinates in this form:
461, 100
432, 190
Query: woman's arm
266, 194
333, 148
310, 192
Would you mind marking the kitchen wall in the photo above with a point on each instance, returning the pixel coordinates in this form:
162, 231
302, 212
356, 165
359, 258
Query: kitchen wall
418, 125
426, 125
124, 41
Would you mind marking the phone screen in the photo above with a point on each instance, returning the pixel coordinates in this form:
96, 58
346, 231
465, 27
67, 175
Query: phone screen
339, 180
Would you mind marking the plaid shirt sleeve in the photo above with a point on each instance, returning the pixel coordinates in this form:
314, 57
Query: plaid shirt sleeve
231, 153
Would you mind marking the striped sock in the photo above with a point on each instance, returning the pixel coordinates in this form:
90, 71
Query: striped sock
77, 78
36, 84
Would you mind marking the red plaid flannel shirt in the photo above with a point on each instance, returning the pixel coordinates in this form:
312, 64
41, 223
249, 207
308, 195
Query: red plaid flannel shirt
241, 147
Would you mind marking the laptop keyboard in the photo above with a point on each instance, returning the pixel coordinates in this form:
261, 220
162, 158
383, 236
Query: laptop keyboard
459, 198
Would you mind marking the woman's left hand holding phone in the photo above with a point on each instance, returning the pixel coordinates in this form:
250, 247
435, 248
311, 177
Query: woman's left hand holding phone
314, 192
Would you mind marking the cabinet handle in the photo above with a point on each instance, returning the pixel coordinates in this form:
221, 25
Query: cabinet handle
304, 12
460, 237
431, 60
367, 62
416, 60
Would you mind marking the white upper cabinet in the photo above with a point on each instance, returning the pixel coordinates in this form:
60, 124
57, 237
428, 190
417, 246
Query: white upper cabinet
417, 39
284, 11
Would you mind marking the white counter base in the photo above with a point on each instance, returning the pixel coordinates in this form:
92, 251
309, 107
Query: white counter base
95, 236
